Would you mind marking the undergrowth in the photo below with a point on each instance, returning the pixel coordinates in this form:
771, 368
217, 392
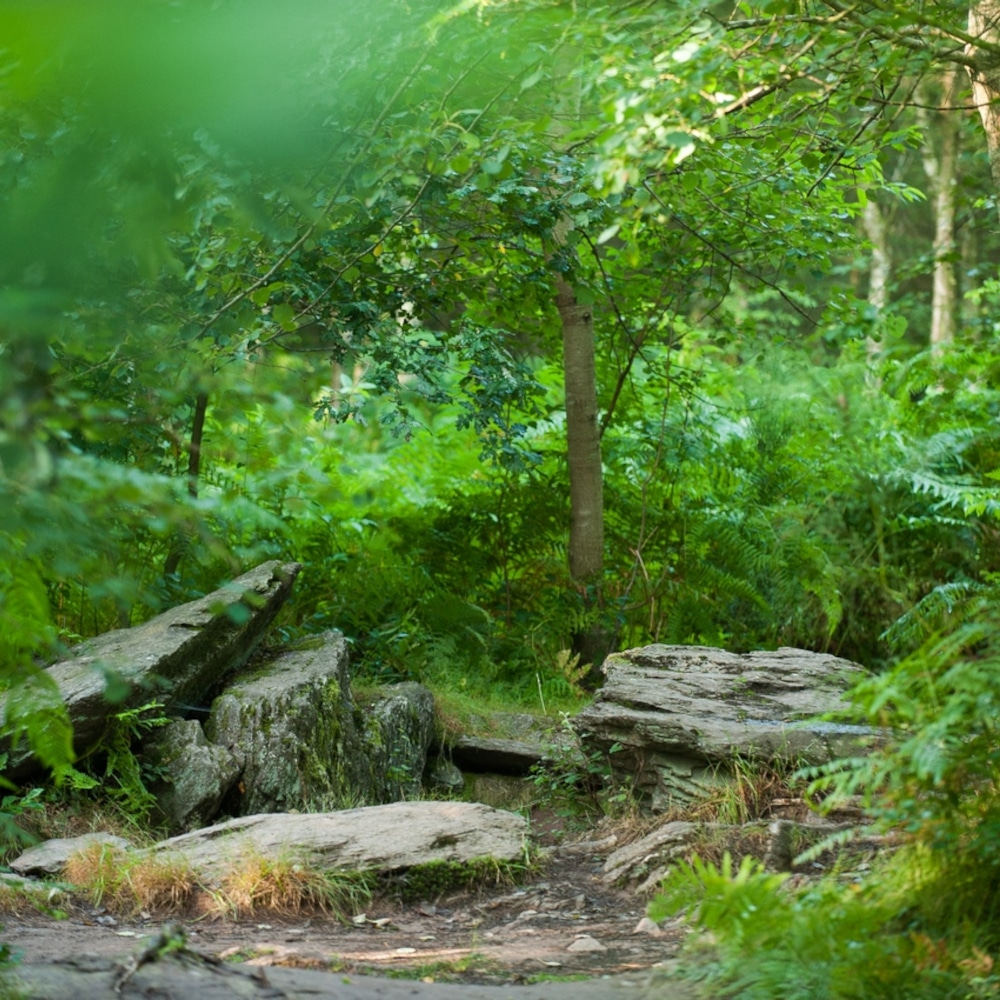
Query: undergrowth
924, 923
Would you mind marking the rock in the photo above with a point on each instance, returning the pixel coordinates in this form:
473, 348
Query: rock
511, 743
50, 856
493, 755
443, 776
780, 845
586, 943
646, 860
196, 773
180, 655
594, 847
180, 972
304, 745
399, 732
384, 838
678, 712
648, 926
501, 791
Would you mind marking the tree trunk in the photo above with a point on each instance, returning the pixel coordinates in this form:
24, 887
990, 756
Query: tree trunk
880, 269
984, 22
940, 155
583, 438
178, 542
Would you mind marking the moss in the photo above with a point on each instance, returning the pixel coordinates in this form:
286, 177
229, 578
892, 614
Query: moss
430, 880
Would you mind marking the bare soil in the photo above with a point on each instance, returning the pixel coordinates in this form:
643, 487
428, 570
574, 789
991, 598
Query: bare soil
563, 923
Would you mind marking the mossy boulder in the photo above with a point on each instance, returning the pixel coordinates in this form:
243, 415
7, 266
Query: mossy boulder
304, 745
179, 656
194, 774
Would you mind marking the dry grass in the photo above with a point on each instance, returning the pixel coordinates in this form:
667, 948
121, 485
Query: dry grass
161, 885
126, 883
744, 793
287, 887
167, 885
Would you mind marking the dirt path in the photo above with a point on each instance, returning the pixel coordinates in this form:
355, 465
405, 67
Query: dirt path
563, 923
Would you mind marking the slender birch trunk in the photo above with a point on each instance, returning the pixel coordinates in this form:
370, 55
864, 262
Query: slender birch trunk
940, 157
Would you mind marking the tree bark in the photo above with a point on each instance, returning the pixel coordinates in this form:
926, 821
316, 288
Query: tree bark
940, 156
583, 438
984, 22
880, 269
178, 542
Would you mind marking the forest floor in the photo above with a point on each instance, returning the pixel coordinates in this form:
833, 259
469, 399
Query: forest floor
563, 933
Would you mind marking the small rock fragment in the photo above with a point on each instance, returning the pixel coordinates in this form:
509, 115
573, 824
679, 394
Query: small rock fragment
647, 926
586, 943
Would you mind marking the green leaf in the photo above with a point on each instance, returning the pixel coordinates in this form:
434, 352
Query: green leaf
284, 316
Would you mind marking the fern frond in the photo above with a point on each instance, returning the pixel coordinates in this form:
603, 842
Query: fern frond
959, 598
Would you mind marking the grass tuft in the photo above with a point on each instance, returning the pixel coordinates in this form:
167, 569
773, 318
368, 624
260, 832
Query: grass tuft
288, 887
127, 883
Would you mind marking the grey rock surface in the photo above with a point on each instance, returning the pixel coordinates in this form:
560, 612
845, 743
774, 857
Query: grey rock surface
503, 743
384, 838
302, 742
443, 776
496, 755
647, 860
677, 712
400, 729
180, 655
196, 773
50, 856
289, 722
189, 974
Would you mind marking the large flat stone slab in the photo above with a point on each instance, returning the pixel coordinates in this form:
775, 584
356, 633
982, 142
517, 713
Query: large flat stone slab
178, 655
385, 838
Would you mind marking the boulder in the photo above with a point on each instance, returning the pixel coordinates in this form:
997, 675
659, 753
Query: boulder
495, 755
443, 776
180, 656
503, 743
386, 838
194, 774
645, 862
669, 716
400, 727
302, 743
50, 856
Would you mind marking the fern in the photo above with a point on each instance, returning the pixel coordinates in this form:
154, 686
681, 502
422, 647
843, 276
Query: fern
957, 601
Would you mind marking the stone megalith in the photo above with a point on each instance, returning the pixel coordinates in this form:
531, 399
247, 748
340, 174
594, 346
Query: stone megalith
304, 745
194, 774
678, 712
179, 656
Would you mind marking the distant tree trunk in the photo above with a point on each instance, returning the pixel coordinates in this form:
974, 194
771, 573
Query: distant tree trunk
968, 252
940, 156
583, 438
984, 22
583, 434
178, 542
876, 229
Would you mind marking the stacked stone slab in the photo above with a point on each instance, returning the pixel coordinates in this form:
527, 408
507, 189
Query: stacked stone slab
672, 717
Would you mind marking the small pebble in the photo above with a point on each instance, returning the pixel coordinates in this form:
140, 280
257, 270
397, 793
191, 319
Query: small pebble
647, 926
586, 943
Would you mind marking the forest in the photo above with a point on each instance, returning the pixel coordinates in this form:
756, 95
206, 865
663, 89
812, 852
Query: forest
535, 329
